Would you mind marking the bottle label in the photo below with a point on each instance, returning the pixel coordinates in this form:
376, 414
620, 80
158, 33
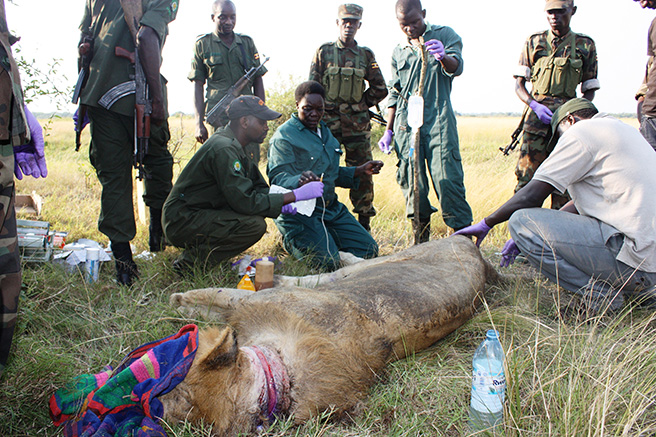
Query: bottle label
488, 391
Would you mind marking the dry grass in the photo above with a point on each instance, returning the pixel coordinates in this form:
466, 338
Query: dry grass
568, 374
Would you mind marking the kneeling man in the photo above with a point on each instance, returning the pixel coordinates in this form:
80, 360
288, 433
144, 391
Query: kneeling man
217, 206
301, 151
602, 244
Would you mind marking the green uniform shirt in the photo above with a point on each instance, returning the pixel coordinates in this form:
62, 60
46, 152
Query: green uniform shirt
104, 21
222, 66
294, 148
439, 118
221, 177
353, 117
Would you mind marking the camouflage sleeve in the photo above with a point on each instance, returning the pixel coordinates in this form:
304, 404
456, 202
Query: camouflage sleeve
377, 89
198, 67
588, 52
158, 15
316, 68
643, 86
524, 66
394, 83
85, 24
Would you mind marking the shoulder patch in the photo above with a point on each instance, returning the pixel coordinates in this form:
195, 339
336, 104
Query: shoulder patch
236, 166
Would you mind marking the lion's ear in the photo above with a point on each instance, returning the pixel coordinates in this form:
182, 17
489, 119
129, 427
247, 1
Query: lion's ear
223, 350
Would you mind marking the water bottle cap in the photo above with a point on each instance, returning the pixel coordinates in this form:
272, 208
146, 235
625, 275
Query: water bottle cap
492, 334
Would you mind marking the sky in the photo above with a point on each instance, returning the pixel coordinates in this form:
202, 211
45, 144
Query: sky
290, 31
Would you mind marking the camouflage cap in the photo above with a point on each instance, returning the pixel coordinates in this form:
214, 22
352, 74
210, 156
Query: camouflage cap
250, 105
567, 108
350, 10
558, 4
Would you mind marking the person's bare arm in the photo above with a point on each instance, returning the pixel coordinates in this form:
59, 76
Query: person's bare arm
531, 196
258, 88
148, 46
199, 108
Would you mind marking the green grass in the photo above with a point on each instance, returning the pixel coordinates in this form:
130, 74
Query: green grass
567, 374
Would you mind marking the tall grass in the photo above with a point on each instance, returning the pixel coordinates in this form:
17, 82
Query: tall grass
568, 373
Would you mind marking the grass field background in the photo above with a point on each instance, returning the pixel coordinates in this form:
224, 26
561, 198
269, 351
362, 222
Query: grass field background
568, 374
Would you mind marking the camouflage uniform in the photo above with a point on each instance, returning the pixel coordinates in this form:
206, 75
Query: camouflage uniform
349, 120
220, 67
13, 132
534, 149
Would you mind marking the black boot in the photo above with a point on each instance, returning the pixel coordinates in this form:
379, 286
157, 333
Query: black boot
365, 222
126, 269
424, 227
156, 240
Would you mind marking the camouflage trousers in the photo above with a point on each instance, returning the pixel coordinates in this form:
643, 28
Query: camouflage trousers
358, 151
534, 150
10, 274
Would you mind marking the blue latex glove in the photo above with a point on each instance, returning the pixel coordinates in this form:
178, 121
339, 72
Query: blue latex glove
479, 230
84, 122
509, 253
30, 159
435, 48
543, 113
288, 209
311, 190
385, 142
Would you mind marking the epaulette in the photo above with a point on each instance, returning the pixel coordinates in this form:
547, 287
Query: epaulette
199, 37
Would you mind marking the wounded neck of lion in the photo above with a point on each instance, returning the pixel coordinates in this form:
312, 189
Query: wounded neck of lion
271, 380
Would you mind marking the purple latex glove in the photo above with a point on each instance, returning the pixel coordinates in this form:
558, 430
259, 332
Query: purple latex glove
84, 122
288, 209
385, 142
435, 48
311, 190
479, 230
543, 113
508, 253
30, 158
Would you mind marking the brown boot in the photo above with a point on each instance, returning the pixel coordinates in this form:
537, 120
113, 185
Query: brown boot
365, 222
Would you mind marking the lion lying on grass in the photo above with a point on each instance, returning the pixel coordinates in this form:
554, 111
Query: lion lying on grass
299, 351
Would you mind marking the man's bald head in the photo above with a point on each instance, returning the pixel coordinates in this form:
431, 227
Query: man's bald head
408, 5
220, 4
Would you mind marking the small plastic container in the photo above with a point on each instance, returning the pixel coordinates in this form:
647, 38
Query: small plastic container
92, 264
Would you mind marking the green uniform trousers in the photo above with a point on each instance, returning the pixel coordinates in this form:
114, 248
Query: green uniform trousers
443, 162
358, 151
10, 275
319, 238
211, 236
111, 154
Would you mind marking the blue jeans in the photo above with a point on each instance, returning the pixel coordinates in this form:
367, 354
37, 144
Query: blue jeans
579, 254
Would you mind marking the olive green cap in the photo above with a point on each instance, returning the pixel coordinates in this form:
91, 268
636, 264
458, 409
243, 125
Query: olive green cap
567, 108
350, 10
558, 4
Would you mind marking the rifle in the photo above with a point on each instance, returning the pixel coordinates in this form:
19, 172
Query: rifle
142, 108
377, 117
514, 138
85, 60
213, 116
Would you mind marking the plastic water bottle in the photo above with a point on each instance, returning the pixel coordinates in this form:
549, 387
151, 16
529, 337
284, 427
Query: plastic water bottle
488, 384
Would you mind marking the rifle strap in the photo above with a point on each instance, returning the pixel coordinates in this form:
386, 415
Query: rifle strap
243, 57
